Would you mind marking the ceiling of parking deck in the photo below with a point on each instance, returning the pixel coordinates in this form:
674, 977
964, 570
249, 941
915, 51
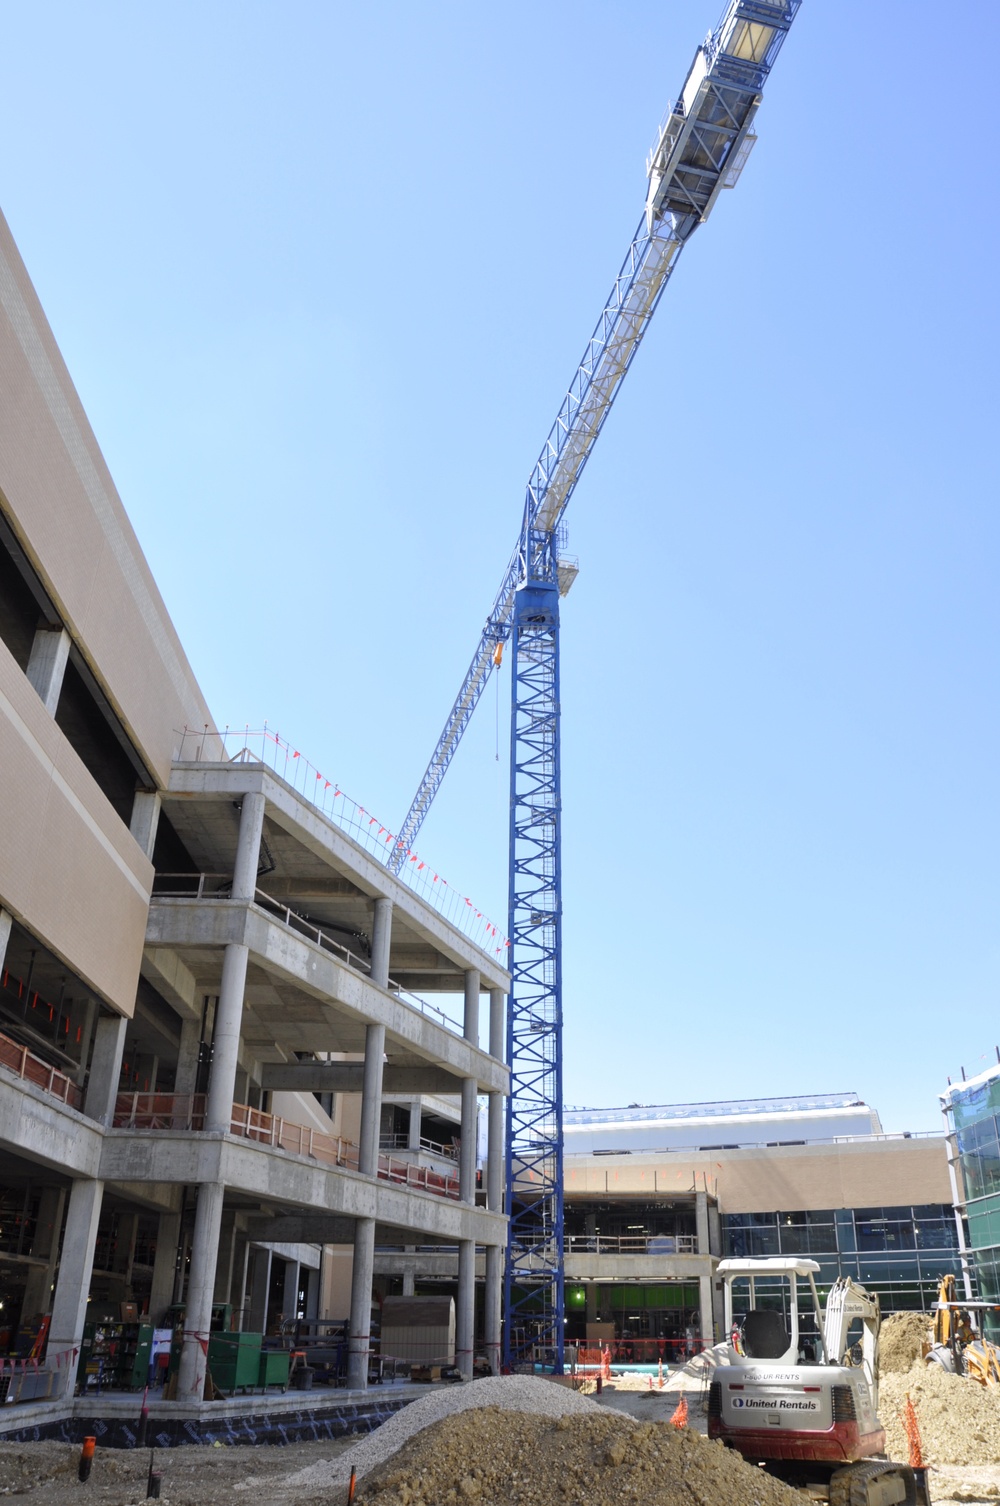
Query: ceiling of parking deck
313, 886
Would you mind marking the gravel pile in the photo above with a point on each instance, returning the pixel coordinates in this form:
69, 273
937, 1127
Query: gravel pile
901, 1341
959, 1420
518, 1393
492, 1457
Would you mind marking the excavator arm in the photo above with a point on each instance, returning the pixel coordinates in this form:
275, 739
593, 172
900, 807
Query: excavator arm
846, 1302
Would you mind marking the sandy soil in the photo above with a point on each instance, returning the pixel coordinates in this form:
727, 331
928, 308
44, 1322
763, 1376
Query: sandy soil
46, 1473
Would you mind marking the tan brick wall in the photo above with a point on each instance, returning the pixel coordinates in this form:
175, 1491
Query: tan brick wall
69, 870
858, 1174
58, 494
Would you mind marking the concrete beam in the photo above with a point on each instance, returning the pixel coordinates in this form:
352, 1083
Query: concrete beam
164, 968
615, 1269
294, 1182
38, 1127
348, 1077
220, 923
302, 1229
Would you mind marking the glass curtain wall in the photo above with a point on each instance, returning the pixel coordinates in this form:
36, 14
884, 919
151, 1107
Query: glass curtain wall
975, 1111
900, 1253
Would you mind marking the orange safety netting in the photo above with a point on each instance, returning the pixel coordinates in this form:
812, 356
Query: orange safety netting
909, 1420
680, 1417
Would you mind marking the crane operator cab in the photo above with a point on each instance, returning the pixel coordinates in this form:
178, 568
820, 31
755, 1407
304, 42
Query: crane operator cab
797, 1388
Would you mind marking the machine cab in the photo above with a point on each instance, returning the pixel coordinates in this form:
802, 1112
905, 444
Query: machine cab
773, 1311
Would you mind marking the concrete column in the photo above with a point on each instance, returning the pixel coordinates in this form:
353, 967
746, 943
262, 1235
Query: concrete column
44, 1246
90, 1008
714, 1230
257, 1320
47, 664
416, 1123
471, 1017
188, 1057
238, 1288
494, 1282
291, 1293
76, 1265
359, 1340
229, 1009
381, 937
226, 1038
409, 1283
6, 921
145, 819
705, 1300
465, 1308
591, 1295
467, 1154
161, 1292
128, 1228
248, 847
701, 1221
105, 1068
494, 1154
371, 1100
497, 997
312, 1292
224, 1258
718, 1308
199, 1294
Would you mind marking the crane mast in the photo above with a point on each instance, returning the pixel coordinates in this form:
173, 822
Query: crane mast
702, 146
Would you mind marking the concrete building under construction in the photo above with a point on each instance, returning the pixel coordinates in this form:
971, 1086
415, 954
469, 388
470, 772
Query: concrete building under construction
213, 996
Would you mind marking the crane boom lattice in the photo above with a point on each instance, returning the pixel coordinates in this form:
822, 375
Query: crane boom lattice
701, 149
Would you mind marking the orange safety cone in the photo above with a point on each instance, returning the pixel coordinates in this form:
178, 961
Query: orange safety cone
680, 1416
659, 1378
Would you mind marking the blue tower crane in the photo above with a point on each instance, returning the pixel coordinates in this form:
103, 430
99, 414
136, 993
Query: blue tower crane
702, 147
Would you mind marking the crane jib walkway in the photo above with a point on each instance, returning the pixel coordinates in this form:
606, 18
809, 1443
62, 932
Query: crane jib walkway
701, 148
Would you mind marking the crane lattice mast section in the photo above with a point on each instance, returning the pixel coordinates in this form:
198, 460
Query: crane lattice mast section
702, 147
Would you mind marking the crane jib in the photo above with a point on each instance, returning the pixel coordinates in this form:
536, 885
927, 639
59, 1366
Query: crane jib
701, 149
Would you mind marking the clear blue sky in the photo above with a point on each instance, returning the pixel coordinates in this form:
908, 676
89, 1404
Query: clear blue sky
322, 273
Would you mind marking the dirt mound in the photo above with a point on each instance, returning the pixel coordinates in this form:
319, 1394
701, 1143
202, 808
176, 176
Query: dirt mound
901, 1341
959, 1420
490, 1456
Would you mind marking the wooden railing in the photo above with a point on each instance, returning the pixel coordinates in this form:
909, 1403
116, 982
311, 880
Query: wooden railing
33, 1069
186, 1111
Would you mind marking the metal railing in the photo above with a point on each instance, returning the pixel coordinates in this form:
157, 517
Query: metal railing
402, 1142
217, 886
186, 1111
631, 1244
31, 1068
249, 745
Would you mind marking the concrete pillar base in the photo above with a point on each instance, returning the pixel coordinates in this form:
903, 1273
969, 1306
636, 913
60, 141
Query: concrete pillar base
359, 1340
76, 1265
494, 1279
465, 1308
200, 1289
